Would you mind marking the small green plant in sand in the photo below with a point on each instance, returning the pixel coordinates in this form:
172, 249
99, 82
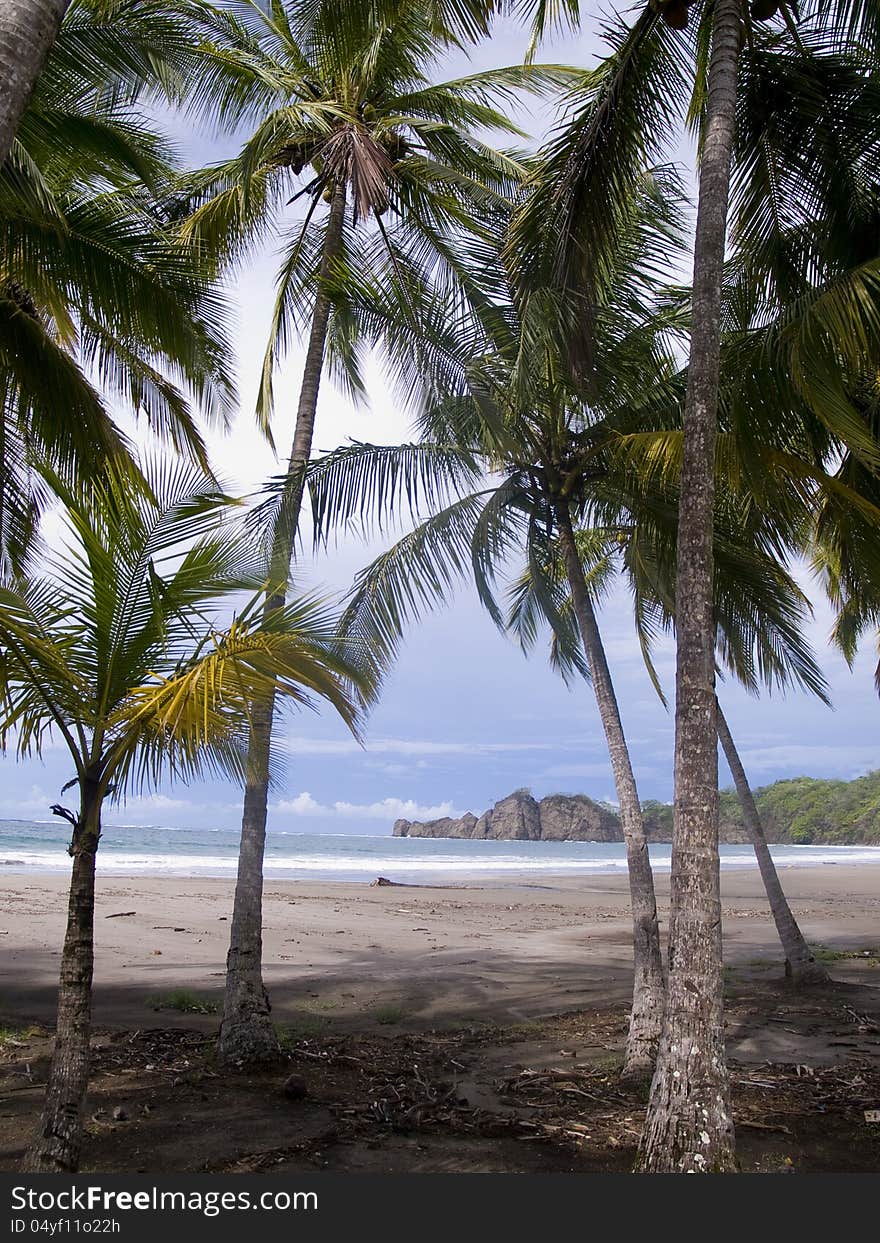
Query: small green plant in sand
183, 1001
388, 1015
10, 1037
867, 953
611, 1062
528, 1029
305, 1026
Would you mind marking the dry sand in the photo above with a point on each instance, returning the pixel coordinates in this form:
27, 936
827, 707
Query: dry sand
335, 954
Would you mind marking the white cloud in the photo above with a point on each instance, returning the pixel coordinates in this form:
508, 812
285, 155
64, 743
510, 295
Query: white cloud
812, 760
36, 802
302, 805
384, 809
395, 808
143, 808
416, 746
138, 808
577, 770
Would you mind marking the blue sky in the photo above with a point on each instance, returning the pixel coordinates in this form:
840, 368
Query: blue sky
465, 718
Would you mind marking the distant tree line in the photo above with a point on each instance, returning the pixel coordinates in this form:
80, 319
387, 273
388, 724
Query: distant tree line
803, 811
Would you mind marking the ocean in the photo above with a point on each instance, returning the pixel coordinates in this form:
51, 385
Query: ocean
37, 846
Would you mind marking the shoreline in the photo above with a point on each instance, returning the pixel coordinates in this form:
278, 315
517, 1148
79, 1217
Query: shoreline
338, 952
437, 870
434, 878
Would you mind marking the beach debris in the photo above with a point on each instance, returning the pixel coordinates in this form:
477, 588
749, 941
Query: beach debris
543, 1088
119, 1114
475, 1082
862, 1021
381, 880
295, 1087
157, 1050
120, 914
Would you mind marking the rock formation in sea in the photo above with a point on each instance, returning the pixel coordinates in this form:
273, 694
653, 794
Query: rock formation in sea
557, 818
803, 810
519, 817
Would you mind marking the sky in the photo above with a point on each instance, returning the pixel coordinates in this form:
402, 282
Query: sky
464, 718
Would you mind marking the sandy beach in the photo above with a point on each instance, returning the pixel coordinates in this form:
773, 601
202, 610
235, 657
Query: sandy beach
435, 1029
334, 953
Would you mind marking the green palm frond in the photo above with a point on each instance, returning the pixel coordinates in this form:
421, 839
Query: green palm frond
119, 641
171, 724
355, 105
539, 599
369, 487
624, 111
415, 576
102, 303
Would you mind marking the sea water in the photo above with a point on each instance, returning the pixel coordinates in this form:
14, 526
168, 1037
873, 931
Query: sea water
37, 846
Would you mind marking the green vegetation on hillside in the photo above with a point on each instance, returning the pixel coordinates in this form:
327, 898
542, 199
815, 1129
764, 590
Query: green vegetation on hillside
804, 811
807, 810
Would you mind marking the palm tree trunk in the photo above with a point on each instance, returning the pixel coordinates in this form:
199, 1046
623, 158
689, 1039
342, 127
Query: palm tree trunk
688, 1125
800, 964
56, 1147
28, 29
649, 989
246, 1032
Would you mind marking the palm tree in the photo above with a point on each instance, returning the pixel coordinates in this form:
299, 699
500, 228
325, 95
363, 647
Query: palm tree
127, 49
100, 302
404, 181
27, 31
549, 454
759, 612
801, 336
844, 556
638, 99
115, 644
689, 1126
759, 615
801, 965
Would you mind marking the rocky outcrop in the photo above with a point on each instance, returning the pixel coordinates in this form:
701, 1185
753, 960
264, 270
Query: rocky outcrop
804, 810
516, 818
731, 830
576, 818
519, 817
445, 827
